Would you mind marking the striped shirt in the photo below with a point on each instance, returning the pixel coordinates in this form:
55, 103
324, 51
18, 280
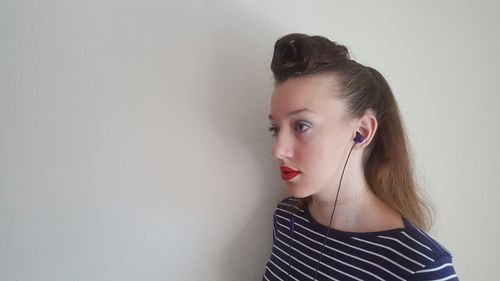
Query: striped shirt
398, 254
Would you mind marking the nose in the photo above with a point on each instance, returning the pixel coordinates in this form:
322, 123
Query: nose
283, 146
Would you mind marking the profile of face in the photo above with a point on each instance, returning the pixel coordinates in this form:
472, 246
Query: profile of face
311, 134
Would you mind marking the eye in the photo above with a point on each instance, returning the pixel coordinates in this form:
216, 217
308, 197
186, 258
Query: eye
299, 127
274, 130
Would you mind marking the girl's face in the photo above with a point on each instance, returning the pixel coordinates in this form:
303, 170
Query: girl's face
310, 134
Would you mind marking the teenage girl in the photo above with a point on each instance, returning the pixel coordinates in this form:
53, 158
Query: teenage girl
354, 211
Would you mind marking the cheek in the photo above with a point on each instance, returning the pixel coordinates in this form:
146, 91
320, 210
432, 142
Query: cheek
322, 158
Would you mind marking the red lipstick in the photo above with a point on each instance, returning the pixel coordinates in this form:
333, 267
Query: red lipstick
288, 173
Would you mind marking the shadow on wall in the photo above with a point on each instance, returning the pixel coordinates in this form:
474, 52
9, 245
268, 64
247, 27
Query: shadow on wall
247, 83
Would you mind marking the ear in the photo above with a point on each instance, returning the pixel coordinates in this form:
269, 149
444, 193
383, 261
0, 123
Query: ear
367, 126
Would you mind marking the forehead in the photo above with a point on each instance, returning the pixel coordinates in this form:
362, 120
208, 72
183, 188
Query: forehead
316, 93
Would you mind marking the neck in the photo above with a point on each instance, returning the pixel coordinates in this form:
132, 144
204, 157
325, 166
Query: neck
358, 209
343, 201
362, 211
355, 198
354, 187
350, 211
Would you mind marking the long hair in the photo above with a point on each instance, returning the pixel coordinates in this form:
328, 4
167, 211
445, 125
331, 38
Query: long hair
387, 160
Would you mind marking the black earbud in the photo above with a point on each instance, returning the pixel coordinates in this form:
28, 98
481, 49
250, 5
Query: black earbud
359, 138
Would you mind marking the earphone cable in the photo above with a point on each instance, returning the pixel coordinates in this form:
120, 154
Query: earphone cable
331, 217
328, 231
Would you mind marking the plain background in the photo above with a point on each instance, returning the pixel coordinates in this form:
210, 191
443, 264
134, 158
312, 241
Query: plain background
134, 141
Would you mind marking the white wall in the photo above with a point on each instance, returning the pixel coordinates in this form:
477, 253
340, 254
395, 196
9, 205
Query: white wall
134, 142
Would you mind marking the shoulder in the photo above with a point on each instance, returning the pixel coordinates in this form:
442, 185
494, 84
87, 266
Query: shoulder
438, 263
422, 239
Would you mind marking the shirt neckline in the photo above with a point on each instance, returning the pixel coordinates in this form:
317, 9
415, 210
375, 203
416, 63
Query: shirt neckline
323, 229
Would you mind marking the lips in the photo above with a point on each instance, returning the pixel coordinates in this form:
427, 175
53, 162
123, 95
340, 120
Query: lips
288, 173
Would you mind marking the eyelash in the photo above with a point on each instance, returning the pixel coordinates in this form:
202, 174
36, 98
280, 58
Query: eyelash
274, 129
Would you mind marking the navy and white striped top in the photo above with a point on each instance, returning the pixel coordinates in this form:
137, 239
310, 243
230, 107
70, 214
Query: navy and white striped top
398, 254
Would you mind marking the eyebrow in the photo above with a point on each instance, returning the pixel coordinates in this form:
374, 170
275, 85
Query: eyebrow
294, 112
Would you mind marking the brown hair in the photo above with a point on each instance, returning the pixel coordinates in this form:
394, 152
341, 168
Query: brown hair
388, 163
